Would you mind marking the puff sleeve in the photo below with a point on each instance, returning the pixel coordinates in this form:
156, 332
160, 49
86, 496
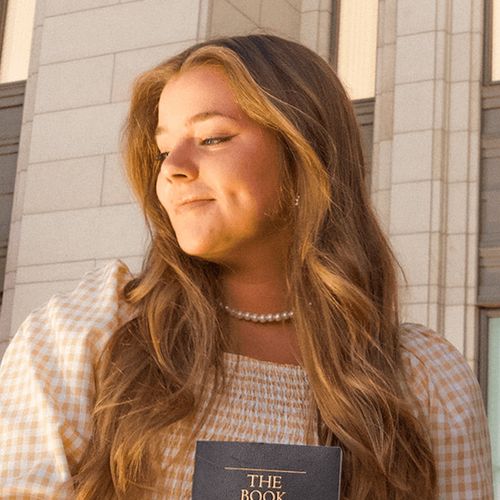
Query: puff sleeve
47, 385
450, 397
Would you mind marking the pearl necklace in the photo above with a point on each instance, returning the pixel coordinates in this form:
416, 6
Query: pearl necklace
257, 318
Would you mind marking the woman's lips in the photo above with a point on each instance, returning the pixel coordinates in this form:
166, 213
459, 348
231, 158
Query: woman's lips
193, 203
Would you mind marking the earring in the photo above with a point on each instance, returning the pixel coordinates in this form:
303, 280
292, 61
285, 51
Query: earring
296, 201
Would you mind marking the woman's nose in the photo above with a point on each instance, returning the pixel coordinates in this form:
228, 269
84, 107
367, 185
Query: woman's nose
180, 165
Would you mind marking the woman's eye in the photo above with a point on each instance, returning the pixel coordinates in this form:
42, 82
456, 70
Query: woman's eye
212, 141
161, 157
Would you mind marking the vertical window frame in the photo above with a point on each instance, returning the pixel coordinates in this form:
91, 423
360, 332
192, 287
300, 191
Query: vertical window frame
3, 19
335, 34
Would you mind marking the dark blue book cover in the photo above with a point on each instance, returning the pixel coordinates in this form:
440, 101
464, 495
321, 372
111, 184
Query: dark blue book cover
225, 470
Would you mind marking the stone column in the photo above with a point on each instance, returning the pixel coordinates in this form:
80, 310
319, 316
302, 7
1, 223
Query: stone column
426, 156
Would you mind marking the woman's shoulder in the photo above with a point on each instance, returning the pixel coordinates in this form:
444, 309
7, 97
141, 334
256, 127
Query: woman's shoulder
94, 302
424, 347
450, 398
437, 372
48, 382
83, 317
422, 344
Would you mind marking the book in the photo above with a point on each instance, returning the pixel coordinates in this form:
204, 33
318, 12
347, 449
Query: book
226, 470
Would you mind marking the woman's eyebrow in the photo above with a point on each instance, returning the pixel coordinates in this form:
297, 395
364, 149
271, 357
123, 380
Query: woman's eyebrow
199, 117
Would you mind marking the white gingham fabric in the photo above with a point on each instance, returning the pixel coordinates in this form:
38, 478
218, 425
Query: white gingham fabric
47, 391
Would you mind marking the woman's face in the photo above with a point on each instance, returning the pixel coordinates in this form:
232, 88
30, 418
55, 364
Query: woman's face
220, 181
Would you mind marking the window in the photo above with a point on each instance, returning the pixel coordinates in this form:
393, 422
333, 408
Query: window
16, 41
493, 395
16, 28
353, 54
489, 378
354, 45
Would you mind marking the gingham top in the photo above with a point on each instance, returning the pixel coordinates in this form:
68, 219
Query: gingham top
47, 391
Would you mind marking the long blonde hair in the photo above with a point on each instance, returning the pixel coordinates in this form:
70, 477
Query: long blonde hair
343, 285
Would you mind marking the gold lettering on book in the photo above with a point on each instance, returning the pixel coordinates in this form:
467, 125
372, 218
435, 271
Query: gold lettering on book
259, 495
259, 482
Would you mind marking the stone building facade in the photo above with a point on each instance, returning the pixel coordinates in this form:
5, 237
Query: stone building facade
431, 134
430, 130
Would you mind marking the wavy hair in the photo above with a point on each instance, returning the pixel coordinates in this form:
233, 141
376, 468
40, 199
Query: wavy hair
343, 284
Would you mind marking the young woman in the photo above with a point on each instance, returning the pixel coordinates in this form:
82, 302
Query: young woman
266, 309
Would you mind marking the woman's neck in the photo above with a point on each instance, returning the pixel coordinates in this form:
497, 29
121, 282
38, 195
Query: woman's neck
261, 289
257, 280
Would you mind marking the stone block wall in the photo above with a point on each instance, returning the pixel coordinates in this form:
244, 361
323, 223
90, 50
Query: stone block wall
72, 210
426, 156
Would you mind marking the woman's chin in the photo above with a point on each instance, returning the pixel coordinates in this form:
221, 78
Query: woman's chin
199, 249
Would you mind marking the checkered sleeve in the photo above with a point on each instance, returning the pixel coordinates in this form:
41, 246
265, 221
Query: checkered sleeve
47, 385
450, 397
